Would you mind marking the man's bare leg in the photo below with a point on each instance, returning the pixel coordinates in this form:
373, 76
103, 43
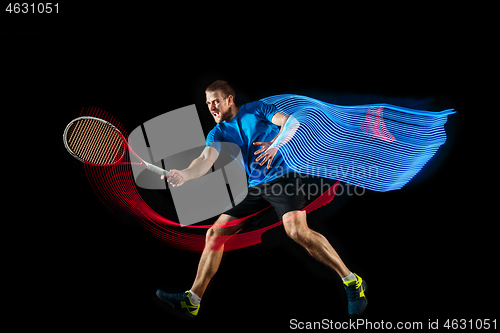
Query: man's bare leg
212, 253
318, 247
316, 244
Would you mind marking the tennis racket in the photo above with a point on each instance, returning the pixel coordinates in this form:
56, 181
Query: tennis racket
96, 141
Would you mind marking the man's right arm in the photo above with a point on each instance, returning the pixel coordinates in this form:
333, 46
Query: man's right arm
196, 169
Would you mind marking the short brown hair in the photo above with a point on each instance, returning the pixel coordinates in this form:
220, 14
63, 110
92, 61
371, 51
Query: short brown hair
224, 87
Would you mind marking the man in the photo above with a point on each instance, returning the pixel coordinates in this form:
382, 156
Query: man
251, 126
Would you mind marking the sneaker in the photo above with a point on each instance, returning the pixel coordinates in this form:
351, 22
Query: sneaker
181, 302
356, 299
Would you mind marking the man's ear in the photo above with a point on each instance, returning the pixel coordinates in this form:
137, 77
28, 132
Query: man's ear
230, 100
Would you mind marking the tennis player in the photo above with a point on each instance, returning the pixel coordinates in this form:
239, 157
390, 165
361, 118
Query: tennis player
254, 127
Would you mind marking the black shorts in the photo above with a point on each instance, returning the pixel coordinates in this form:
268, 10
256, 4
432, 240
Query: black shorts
285, 194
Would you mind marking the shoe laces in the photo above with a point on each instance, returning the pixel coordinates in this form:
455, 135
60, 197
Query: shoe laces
353, 292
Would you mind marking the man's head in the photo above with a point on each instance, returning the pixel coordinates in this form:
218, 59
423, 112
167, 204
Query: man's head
220, 100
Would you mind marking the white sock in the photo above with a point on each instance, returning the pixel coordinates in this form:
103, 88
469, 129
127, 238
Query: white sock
350, 277
194, 298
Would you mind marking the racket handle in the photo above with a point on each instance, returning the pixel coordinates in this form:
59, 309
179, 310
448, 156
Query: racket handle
156, 169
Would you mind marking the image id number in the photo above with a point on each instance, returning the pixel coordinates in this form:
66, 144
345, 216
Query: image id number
463, 324
40, 8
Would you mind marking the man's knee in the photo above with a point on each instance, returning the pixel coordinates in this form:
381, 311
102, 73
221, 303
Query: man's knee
296, 226
217, 235
299, 235
214, 239
219, 232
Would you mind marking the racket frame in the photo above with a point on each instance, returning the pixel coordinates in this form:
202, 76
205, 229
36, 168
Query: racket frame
147, 165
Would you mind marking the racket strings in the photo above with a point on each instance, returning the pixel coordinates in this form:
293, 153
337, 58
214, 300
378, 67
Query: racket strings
95, 141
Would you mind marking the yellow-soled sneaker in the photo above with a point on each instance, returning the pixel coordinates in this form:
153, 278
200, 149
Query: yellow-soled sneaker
356, 299
181, 302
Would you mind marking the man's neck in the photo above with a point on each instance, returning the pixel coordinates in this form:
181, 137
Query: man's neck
234, 111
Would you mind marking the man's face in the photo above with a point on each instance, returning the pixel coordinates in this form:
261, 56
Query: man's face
218, 106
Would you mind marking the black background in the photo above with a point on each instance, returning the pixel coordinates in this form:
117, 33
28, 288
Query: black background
426, 250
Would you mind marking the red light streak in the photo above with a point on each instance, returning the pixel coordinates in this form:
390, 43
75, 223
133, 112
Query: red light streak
115, 187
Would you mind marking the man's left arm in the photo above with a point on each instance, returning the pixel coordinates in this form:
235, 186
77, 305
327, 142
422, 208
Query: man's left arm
288, 126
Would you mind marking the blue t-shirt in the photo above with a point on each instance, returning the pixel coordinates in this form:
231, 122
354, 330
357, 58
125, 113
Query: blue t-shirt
251, 124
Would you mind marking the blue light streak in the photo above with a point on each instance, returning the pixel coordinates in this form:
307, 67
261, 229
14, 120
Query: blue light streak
380, 147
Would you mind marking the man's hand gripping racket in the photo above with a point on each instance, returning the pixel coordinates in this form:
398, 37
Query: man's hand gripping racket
98, 142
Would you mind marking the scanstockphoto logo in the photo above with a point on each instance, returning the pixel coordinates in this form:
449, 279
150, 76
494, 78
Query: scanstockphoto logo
174, 139
311, 189
317, 184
